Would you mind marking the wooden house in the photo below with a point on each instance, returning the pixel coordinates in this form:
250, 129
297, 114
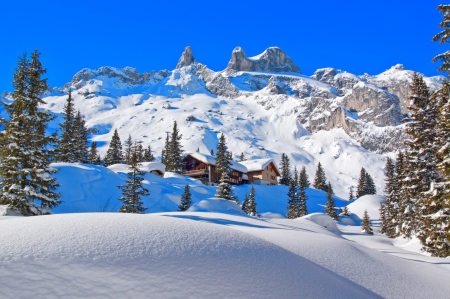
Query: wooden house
261, 171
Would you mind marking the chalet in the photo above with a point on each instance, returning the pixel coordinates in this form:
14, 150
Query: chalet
261, 171
203, 167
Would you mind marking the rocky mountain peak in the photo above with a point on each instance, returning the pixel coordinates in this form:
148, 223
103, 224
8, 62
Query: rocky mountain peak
273, 59
186, 58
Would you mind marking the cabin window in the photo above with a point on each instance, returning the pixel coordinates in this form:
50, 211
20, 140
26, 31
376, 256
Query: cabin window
267, 175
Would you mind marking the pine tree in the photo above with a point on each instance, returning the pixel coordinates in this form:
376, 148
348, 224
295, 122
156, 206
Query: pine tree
133, 190
80, 140
361, 189
114, 152
370, 185
127, 149
351, 197
242, 157
383, 222
65, 144
249, 204
320, 180
174, 154
390, 208
285, 170
222, 162
345, 210
25, 150
443, 37
212, 152
198, 150
148, 156
330, 207
94, 157
165, 151
293, 210
296, 178
186, 200
225, 190
304, 178
303, 209
366, 225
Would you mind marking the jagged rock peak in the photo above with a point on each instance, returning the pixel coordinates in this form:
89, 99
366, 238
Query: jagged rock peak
186, 58
273, 59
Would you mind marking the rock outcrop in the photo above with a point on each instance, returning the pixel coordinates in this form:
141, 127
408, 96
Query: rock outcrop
272, 59
186, 58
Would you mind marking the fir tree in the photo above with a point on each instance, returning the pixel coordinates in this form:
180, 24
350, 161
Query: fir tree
303, 210
249, 204
25, 150
320, 180
222, 162
365, 184
186, 200
390, 222
174, 153
148, 156
443, 37
304, 178
211, 152
242, 157
114, 152
330, 207
198, 150
383, 222
94, 157
65, 144
127, 149
296, 178
366, 225
285, 170
345, 210
225, 190
350, 195
80, 140
293, 210
133, 190
165, 151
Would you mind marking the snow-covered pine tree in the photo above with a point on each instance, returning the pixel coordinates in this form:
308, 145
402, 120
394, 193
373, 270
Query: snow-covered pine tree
127, 149
165, 151
174, 154
350, 194
222, 162
139, 151
94, 157
65, 144
148, 156
303, 209
304, 178
114, 152
242, 157
345, 210
249, 206
330, 207
25, 150
285, 170
366, 225
225, 190
80, 139
211, 152
244, 205
420, 167
293, 208
361, 189
370, 185
133, 190
296, 178
443, 37
383, 222
186, 200
392, 200
320, 180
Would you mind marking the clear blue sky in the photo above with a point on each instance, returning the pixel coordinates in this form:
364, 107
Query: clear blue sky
356, 36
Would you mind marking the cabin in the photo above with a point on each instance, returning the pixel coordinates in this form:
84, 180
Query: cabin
261, 171
203, 167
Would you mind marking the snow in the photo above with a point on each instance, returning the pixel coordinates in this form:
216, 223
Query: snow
371, 203
258, 164
145, 166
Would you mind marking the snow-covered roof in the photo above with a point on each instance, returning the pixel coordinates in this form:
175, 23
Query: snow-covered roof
258, 164
146, 166
212, 161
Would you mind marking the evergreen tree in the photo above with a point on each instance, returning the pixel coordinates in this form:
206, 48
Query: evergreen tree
345, 210
25, 150
350, 195
127, 150
242, 157
330, 207
186, 200
293, 209
304, 178
303, 210
443, 37
390, 222
80, 140
133, 190
225, 190
65, 144
222, 159
198, 150
366, 225
148, 156
212, 152
365, 184
94, 157
320, 180
165, 151
174, 153
249, 204
114, 152
285, 170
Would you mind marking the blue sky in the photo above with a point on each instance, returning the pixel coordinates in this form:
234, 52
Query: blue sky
356, 36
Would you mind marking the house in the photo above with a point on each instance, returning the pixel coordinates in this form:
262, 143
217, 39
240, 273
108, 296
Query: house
261, 171
203, 167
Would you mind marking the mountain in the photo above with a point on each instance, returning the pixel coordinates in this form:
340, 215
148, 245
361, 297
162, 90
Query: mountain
263, 105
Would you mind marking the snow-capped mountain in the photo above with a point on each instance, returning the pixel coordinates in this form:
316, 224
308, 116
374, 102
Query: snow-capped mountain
263, 105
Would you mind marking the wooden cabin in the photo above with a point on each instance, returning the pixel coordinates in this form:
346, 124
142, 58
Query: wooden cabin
261, 171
